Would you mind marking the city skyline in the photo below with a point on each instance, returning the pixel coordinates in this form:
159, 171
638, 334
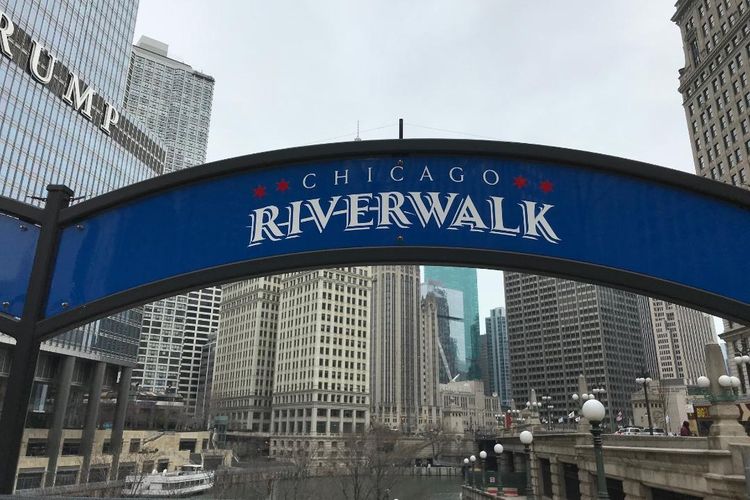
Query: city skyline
645, 122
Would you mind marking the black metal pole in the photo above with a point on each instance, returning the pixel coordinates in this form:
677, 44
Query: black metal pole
648, 409
400, 128
529, 485
741, 377
601, 479
21, 379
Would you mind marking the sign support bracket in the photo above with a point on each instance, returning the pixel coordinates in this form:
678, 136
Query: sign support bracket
28, 342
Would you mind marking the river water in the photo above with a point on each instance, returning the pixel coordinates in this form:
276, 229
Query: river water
332, 488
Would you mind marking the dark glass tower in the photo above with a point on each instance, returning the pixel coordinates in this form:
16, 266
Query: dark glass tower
463, 280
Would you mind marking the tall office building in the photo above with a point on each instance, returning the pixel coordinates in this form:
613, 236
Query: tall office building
716, 98
497, 375
650, 358
63, 68
321, 390
246, 353
449, 304
464, 280
398, 375
680, 335
174, 101
559, 329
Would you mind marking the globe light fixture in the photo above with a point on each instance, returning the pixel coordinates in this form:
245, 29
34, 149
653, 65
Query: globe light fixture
735, 382
725, 381
745, 358
703, 382
498, 449
593, 410
482, 454
526, 437
473, 459
575, 397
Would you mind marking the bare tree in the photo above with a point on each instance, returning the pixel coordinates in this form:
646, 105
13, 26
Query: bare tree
372, 463
438, 437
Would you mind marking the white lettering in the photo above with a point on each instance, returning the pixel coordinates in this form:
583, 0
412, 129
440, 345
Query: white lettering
294, 210
399, 179
337, 176
304, 181
36, 52
111, 117
468, 215
390, 209
498, 225
263, 222
6, 30
535, 223
356, 211
461, 178
426, 174
435, 209
321, 219
79, 101
369, 174
494, 175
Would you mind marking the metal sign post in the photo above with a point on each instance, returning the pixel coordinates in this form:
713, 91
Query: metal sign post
26, 351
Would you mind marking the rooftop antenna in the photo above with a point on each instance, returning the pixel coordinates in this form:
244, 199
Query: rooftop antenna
358, 138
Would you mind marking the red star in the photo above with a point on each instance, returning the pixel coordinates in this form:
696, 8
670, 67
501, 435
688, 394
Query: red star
282, 185
520, 182
259, 192
546, 186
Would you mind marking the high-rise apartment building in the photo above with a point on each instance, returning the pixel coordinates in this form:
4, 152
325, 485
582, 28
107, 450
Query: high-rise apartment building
559, 329
449, 304
321, 390
246, 353
63, 70
497, 361
463, 279
173, 334
205, 382
680, 335
174, 101
401, 365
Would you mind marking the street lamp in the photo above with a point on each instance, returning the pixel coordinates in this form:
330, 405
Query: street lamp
526, 439
472, 459
482, 456
645, 381
549, 416
742, 358
466, 471
594, 412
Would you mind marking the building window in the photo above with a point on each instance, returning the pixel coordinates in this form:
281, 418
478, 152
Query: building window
71, 447
36, 448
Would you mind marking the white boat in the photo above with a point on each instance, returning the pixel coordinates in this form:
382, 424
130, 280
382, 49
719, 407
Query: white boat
191, 479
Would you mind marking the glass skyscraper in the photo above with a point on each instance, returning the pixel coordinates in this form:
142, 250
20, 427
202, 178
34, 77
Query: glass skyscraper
498, 356
47, 136
63, 70
464, 280
451, 331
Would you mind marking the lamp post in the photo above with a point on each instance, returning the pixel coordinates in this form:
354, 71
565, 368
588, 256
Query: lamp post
466, 471
482, 457
645, 381
594, 412
526, 439
472, 459
498, 449
742, 358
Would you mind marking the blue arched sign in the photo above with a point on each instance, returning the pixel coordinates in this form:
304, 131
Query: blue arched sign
538, 209
512, 206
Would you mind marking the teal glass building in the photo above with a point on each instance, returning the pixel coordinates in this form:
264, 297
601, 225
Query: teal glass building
464, 280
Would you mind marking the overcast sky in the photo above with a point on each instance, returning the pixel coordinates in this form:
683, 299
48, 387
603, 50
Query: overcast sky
591, 75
